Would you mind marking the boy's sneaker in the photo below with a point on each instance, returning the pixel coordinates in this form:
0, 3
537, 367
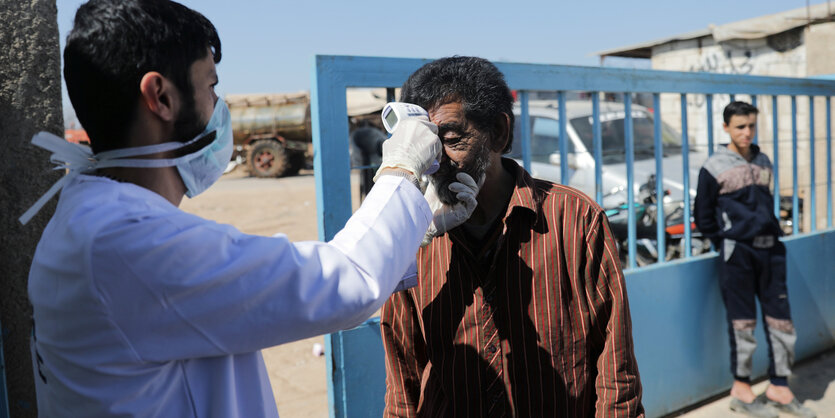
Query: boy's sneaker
757, 408
794, 407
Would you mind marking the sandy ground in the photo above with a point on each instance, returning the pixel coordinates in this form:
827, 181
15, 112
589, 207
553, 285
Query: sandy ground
812, 381
267, 207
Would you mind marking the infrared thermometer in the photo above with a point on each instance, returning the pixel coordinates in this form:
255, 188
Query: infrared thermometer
394, 112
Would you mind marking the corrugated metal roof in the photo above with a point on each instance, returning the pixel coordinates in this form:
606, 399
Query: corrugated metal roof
755, 28
644, 50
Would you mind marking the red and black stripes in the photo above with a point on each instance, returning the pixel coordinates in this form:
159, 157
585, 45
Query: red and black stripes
538, 327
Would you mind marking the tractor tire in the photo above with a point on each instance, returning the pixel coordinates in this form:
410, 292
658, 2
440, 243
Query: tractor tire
268, 158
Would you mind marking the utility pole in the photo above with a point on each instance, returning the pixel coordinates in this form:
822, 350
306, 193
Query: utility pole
30, 101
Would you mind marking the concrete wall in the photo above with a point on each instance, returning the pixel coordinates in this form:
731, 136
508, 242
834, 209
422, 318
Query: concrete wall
30, 101
752, 57
798, 53
819, 57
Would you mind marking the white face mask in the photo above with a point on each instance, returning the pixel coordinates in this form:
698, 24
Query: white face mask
198, 169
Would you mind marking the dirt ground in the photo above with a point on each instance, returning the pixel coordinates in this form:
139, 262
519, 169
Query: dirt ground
267, 207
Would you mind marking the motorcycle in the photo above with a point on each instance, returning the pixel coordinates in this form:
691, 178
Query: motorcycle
646, 243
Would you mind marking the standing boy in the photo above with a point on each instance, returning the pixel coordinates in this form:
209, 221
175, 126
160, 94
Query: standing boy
734, 208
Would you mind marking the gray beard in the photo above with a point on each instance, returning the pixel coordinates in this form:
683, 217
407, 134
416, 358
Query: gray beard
446, 175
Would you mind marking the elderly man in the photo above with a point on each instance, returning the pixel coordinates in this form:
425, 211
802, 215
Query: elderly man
522, 310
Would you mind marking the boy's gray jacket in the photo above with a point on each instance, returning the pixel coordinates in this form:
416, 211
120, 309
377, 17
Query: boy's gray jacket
733, 197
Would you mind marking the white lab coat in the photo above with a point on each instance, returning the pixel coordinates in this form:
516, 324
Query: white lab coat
141, 309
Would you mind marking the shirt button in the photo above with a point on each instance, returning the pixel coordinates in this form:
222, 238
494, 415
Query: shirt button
489, 298
491, 349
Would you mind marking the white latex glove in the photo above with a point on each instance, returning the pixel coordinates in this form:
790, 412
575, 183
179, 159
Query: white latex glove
414, 146
445, 217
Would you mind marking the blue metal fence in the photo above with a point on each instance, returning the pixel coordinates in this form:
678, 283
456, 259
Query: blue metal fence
332, 75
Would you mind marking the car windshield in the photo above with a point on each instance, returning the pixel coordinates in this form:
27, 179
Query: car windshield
612, 135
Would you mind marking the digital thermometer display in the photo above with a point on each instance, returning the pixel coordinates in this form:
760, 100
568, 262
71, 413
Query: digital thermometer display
391, 118
394, 112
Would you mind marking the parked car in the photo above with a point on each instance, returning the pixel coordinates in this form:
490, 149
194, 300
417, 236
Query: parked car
545, 164
545, 154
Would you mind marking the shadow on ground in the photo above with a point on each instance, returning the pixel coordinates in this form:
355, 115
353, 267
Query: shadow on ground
813, 383
811, 378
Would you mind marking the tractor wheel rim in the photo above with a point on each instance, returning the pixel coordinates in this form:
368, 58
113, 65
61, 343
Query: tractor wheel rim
264, 160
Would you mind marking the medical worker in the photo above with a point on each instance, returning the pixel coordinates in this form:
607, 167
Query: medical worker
141, 309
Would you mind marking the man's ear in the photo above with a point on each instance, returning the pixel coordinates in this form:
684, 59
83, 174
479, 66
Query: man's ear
501, 129
158, 96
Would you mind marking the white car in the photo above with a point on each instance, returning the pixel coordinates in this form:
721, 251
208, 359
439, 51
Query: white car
545, 154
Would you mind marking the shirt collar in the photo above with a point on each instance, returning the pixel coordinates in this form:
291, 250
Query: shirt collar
526, 196
723, 149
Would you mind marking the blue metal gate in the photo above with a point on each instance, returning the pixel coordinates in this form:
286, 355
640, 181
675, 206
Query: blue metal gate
682, 354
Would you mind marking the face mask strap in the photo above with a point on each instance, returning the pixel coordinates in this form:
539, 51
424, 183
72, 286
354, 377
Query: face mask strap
154, 163
34, 209
137, 151
79, 159
146, 149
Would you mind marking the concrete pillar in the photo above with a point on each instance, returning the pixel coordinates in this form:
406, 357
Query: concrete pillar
30, 101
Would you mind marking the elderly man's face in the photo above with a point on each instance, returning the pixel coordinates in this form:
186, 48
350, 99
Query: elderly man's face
466, 149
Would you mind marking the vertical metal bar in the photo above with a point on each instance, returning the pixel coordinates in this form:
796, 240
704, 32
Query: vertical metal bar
685, 163
795, 202
812, 192
525, 130
390, 97
660, 230
331, 171
563, 139
732, 97
776, 157
756, 132
331, 165
829, 162
335, 369
598, 148
630, 179
709, 100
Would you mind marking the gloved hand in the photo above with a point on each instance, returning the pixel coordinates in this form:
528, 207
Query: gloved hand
446, 217
414, 146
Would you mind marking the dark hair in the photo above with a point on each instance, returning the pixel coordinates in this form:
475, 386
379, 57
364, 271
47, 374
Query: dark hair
114, 43
738, 109
476, 82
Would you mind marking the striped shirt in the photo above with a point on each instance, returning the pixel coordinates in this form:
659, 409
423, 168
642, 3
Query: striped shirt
532, 320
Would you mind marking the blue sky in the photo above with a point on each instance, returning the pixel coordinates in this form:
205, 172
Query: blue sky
268, 46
